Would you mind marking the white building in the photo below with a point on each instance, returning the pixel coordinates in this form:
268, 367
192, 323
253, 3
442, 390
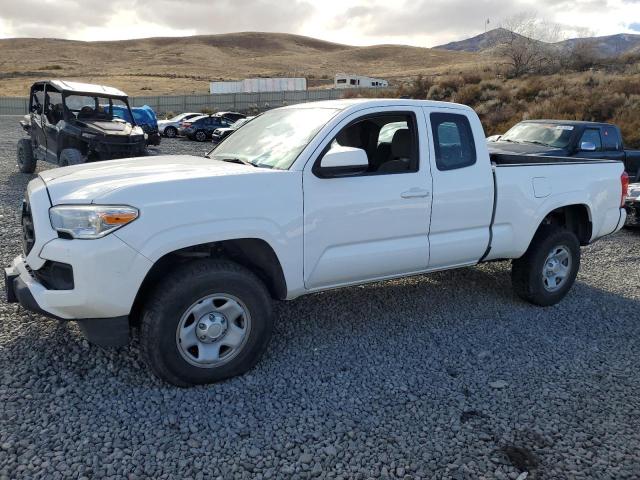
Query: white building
255, 85
358, 81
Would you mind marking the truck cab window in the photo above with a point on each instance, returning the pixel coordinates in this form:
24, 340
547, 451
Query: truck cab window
610, 139
390, 142
592, 135
453, 141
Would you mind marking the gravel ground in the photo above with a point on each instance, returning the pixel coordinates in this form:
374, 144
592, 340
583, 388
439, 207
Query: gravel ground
442, 376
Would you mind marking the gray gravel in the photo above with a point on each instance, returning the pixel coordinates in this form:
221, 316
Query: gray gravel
446, 376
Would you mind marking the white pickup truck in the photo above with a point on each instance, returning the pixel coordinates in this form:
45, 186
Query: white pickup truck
302, 199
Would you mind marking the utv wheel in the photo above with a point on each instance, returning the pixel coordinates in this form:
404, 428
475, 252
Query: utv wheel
70, 156
209, 320
26, 160
548, 269
201, 136
170, 132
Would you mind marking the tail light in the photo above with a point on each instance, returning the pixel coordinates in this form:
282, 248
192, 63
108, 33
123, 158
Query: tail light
624, 180
186, 124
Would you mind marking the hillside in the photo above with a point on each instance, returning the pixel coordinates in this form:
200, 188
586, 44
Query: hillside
160, 66
605, 47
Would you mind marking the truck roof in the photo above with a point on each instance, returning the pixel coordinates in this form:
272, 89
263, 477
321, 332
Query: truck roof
67, 86
379, 102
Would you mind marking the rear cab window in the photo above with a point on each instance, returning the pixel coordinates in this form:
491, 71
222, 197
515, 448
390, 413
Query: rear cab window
453, 141
611, 141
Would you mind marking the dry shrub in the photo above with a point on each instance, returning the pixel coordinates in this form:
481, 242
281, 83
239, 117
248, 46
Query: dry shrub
626, 85
471, 78
468, 95
529, 90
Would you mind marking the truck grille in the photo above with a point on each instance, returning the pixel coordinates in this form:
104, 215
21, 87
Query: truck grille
28, 232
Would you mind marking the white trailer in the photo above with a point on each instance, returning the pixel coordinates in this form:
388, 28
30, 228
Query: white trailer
358, 81
256, 85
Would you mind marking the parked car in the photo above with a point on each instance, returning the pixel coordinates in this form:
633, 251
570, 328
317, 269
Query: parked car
201, 128
71, 123
232, 116
564, 138
169, 128
221, 133
145, 118
302, 199
632, 205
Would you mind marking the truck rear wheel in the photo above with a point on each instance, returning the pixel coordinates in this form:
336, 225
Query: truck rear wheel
548, 270
209, 320
26, 160
70, 156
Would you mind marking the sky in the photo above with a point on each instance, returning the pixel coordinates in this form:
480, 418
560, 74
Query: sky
424, 23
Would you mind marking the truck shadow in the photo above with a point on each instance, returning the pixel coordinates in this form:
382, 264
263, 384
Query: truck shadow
442, 317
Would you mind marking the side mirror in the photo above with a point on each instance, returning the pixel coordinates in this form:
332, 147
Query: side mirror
342, 162
588, 147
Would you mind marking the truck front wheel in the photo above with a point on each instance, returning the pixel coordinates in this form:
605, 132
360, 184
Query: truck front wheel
26, 160
70, 156
209, 320
548, 270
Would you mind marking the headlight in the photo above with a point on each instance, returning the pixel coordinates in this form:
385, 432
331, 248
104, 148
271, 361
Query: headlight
90, 221
137, 131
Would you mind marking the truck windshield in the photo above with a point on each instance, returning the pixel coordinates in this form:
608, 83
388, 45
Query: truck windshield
89, 107
549, 135
274, 139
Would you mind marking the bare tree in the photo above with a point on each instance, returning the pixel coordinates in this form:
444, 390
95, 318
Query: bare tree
528, 44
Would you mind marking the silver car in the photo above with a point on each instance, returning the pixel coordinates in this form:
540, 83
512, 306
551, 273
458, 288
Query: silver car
169, 128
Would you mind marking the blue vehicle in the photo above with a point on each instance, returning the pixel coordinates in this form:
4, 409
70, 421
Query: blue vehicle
144, 117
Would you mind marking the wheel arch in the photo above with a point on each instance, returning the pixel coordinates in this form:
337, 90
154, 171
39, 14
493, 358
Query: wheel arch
253, 253
575, 217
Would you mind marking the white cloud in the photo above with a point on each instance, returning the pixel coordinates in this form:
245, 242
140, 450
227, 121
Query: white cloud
357, 22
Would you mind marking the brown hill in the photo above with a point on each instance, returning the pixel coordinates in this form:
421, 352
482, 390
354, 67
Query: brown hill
160, 66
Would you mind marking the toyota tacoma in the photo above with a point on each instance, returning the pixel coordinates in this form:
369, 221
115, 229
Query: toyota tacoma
302, 199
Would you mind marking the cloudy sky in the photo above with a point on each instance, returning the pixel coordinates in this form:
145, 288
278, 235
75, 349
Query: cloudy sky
356, 22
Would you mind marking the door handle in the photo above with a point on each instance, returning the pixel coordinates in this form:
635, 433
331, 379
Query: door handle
415, 193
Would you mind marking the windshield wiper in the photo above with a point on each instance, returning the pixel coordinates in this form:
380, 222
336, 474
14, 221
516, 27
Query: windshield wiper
508, 140
237, 160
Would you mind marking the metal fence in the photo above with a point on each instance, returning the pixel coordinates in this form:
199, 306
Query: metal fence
240, 102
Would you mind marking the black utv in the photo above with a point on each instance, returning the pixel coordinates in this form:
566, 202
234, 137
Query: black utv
72, 123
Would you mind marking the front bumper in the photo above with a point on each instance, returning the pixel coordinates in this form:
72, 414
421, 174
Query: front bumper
104, 332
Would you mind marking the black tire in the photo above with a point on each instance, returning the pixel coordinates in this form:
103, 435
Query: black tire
175, 295
171, 132
26, 160
527, 271
200, 136
70, 156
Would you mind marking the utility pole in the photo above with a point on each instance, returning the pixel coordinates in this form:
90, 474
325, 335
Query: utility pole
486, 24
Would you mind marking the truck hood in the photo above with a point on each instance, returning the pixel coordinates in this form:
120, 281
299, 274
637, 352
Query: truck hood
525, 149
106, 127
90, 182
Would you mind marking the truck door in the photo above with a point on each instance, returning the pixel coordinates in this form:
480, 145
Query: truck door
373, 224
463, 188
